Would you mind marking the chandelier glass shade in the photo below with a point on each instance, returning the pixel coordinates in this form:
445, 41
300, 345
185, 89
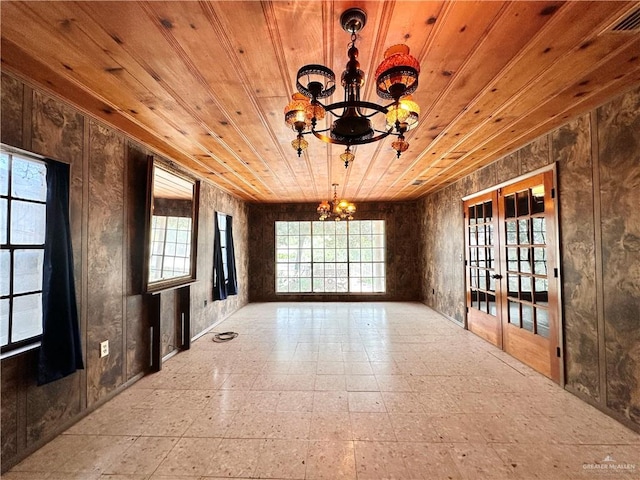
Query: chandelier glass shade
338, 210
396, 80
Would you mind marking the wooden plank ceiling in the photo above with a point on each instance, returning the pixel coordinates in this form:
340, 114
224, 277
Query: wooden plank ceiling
205, 83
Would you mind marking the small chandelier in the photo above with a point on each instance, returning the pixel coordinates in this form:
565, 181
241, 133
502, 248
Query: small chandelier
338, 210
396, 79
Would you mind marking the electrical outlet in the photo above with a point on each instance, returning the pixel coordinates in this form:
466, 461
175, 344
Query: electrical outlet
104, 348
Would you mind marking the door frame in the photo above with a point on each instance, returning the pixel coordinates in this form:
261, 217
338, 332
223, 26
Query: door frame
556, 251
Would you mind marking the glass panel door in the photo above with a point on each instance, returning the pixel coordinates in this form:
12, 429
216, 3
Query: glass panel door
527, 221
482, 266
511, 271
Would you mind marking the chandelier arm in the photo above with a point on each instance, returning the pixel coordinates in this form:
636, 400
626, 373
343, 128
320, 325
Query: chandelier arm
326, 139
357, 104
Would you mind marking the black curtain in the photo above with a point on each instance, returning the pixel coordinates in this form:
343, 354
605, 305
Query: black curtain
232, 281
60, 348
219, 284
223, 287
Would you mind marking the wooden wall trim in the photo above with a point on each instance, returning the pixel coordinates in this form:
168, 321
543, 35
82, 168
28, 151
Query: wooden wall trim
27, 116
599, 277
125, 259
84, 248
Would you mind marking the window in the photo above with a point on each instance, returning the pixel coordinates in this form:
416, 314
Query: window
225, 279
222, 226
23, 194
330, 257
170, 247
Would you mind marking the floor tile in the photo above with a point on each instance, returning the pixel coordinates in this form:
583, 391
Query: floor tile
372, 426
330, 401
330, 426
283, 459
334, 460
235, 457
143, 457
189, 456
365, 402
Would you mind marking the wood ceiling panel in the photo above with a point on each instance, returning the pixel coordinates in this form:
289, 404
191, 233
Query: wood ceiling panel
205, 83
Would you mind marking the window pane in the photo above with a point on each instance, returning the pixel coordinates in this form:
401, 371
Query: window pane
527, 317
281, 285
305, 228
29, 179
294, 228
523, 203
523, 229
542, 322
27, 270
525, 261
282, 228
3, 220
4, 174
539, 231
342, 284
4, 321
540, 261
355, 270
514, 313
27, 223
511, 233
27, 317
305, 284
5, 271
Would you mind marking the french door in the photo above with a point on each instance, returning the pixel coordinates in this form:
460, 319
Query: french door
512, 298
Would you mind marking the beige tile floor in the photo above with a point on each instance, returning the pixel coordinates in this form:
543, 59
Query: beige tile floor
341, 391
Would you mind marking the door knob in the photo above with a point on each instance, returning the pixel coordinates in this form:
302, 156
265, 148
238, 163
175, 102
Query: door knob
496, 276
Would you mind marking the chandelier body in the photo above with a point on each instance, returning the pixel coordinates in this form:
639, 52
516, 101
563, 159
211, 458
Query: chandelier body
338, 210
396, 80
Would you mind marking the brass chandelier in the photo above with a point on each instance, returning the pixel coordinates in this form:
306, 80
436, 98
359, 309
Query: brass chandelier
396, 79
339, 210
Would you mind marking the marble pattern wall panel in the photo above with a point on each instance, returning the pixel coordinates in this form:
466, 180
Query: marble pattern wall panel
486, 177
204, 310
402, 237
57, 129
508, 167
58, 133
169, 316
535, 155
203, 315
11, 91
443, 227
105, 262
619, 162
137, 324
9, 381
43, 416
571, 147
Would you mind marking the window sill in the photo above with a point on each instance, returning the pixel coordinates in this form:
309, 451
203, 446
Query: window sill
20, 350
